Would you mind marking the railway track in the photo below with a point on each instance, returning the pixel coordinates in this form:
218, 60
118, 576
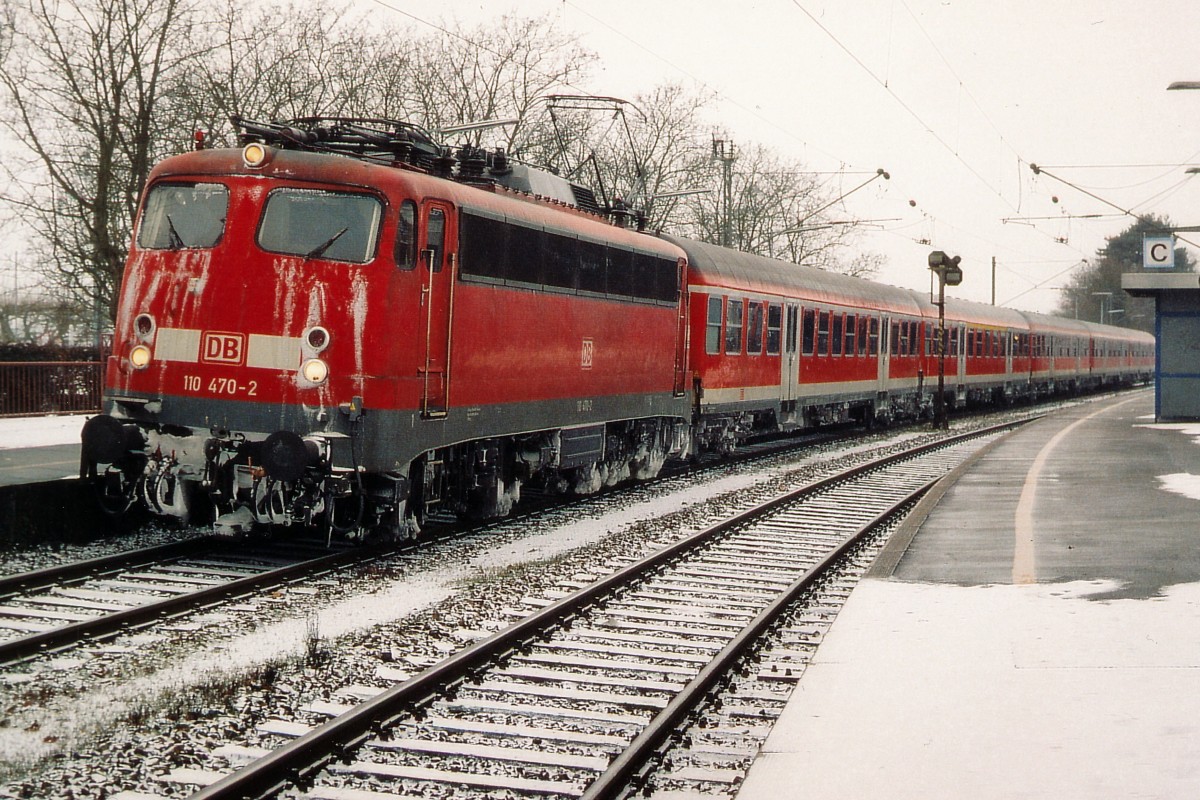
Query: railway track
583, 691
53, 609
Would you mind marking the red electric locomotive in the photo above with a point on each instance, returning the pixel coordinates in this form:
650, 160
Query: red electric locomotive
308, 337
342, 325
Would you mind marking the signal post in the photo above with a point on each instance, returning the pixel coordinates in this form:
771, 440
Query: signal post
948, 273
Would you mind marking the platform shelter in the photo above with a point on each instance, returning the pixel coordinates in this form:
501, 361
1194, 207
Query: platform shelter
1177, 338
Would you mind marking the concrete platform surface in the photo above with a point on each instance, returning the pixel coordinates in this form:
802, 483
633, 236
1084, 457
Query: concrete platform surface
1037, 638
35, 449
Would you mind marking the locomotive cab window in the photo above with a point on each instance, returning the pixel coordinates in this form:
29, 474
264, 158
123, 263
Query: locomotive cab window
406, 236
435, 238
181, 216
312, 223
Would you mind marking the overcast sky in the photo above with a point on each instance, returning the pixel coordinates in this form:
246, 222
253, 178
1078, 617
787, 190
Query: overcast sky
954, 98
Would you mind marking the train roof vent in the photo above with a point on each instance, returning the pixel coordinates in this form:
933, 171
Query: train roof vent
585, 198
524, 178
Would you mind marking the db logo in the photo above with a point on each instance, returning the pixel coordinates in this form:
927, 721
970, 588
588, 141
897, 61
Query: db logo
589, 349
223, 348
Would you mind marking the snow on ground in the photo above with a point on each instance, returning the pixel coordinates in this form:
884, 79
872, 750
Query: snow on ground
40, 431
925, 690
391, 601
1183, 483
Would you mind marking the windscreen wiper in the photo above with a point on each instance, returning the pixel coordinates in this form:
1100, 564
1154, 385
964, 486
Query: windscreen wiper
320, 249
174, 240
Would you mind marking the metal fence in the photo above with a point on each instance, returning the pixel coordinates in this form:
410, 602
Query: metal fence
50, 387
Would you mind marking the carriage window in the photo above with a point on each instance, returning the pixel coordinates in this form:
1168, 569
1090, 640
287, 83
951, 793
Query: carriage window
182, 216
733, 327
837, 334
754, 328
406, 236
851, 334
823, 333
336, 226
873, 334
712, 334
810, 326
774, 329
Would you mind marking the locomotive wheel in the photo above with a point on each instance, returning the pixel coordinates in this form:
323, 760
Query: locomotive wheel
116, 491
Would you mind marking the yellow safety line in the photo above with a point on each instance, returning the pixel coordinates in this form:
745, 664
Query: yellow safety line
1024, 570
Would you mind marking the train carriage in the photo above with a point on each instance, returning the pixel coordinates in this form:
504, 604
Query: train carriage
781, 346
1117, 355
983, 365
1058, 354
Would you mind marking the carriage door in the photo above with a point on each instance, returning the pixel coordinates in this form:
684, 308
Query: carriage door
959, 350
436, 242
790, 379
885, 355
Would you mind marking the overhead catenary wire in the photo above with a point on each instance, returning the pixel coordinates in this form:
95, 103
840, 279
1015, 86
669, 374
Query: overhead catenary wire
1038, 170
929, 129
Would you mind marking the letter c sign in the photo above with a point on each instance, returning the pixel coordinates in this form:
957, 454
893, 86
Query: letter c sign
1158, 252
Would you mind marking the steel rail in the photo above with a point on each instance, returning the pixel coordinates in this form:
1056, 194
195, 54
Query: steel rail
297, 762
625, 768
110, 625
12, 585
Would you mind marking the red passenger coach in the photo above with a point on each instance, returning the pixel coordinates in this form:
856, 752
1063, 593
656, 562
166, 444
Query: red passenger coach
777, 346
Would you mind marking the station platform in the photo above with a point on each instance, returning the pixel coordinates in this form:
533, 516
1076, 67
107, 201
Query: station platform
1030, 633
39, 449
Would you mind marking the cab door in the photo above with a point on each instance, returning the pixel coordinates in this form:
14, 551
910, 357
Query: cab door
436, 240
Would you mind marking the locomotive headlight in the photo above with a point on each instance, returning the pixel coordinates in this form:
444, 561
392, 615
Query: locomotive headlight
144, 326
317, 338
140, 356
315, 370
255, 154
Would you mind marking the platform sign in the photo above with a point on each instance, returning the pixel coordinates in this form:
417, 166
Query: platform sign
1158, 252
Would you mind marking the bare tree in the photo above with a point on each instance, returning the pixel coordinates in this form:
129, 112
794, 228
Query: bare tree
777, 209
312, 61
501, 69
82, 84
